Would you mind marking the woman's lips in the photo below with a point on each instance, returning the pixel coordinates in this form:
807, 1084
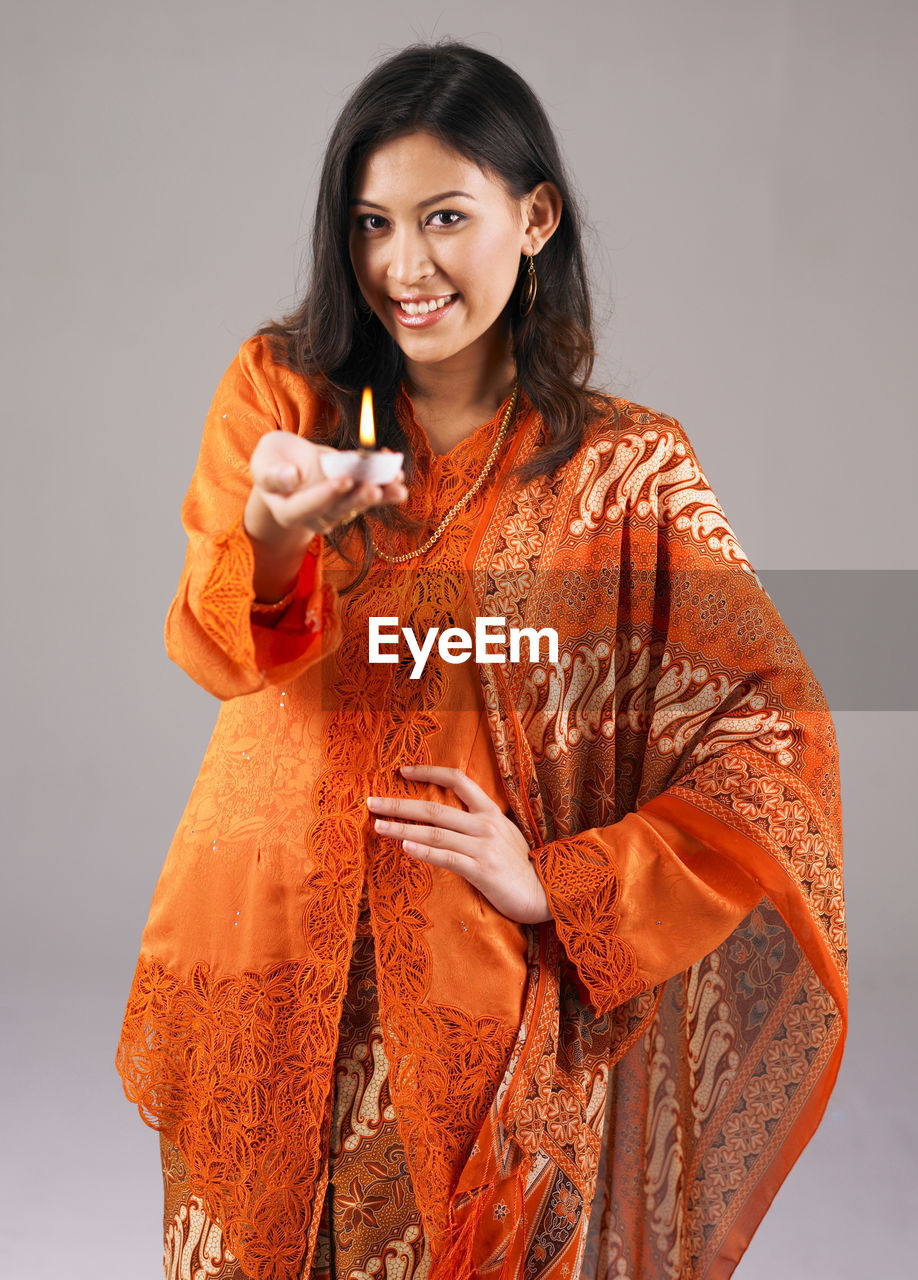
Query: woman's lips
422, 322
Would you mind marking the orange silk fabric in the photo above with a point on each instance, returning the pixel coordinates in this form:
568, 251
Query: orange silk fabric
229, 1037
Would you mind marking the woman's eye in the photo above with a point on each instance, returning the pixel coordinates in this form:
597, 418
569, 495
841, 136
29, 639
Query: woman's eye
375, 221
363, 219
448, 213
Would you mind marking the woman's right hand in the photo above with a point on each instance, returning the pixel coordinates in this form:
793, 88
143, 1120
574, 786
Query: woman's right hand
292, 499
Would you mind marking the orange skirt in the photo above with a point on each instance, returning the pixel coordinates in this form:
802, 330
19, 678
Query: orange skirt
370, 1220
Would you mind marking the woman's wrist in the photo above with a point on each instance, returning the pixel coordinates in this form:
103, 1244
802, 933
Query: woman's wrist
276, 575
278, 557
269, 606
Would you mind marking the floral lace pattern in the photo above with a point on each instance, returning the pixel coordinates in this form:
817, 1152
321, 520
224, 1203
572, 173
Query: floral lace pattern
237, 1068
675, 773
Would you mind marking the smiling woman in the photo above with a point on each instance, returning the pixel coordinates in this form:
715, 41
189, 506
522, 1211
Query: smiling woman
457, 968
445, 275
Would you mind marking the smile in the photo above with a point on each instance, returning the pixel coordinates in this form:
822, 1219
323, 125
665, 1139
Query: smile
415, 318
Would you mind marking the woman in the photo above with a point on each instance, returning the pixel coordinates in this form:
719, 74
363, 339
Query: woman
460, 964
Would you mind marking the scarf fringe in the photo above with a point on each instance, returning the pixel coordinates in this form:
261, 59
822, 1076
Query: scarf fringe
455, 1258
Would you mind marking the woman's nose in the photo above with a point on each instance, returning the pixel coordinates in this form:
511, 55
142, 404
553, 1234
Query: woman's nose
408, 260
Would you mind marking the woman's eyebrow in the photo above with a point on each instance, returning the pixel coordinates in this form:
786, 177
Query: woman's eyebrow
444, 195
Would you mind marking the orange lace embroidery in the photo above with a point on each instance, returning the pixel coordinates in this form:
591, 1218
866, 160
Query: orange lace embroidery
226, 595
237, 1069
582, 887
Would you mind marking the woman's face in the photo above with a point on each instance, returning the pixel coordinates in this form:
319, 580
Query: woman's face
431, 227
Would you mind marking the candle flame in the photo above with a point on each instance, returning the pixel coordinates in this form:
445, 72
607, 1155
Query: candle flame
367, 430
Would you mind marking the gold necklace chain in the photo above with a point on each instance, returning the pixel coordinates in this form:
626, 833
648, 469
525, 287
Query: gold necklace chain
467, 497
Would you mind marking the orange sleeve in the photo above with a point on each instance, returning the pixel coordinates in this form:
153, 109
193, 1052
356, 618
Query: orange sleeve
210, 630
639, 901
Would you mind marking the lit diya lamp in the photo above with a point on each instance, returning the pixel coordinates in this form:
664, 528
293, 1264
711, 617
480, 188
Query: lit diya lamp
367, 465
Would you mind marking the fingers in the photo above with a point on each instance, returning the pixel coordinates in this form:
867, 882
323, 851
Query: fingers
441, 832
441, 816
322, 506
395, 490
328, 503
416, 832
333, 502
468, 791
449, 859
282, 479
449, 847
286, 471
278, 452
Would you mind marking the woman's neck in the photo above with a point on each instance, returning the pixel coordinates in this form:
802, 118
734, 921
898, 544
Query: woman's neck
454, 397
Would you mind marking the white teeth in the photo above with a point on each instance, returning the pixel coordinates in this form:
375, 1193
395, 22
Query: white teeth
424, 308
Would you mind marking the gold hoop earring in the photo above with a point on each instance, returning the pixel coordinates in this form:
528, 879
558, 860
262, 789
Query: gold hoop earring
528, 296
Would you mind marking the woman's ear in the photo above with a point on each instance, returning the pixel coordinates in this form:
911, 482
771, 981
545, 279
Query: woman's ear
543, 213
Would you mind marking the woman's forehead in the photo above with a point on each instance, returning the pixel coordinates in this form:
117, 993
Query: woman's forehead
418, 167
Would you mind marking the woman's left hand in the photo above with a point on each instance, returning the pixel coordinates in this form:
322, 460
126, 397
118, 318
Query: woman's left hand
479, 842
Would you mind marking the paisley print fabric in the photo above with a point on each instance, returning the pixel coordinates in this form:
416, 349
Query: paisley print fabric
618, 1092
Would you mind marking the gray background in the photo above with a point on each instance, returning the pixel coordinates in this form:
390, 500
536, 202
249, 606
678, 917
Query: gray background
746, 170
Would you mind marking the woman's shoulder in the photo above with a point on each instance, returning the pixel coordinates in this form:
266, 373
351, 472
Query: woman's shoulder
615, 418
292, 398
634, 443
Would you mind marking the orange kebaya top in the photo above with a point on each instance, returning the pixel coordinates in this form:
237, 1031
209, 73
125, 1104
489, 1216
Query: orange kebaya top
346, 729
503, 1041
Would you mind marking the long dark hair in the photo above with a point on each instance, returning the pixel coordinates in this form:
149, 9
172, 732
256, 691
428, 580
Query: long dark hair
484, 111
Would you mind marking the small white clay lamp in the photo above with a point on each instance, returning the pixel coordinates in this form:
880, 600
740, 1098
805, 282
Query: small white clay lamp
367, 465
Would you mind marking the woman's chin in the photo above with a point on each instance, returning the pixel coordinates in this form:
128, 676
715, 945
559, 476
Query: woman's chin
428, 350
